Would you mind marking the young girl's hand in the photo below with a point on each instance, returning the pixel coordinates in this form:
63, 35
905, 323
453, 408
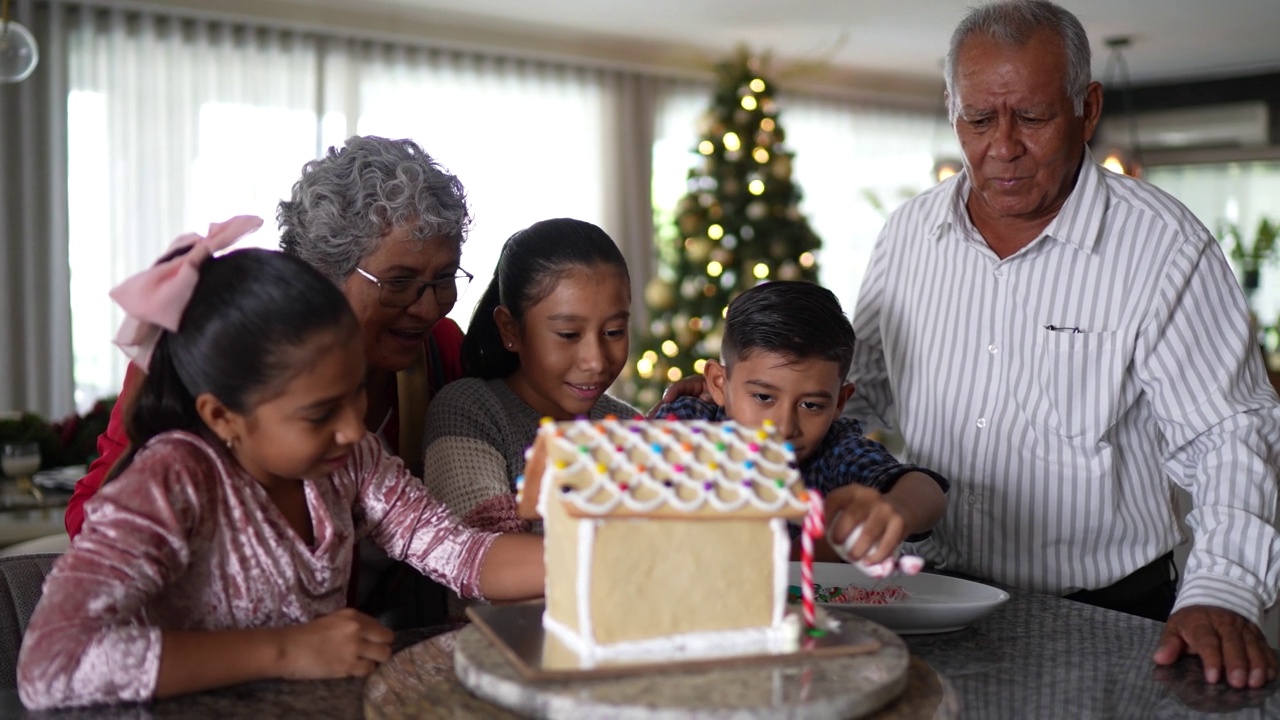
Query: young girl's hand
884, 523
346, 643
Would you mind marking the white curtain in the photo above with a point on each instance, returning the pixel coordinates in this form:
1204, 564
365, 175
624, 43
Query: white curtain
182, 118
172, 124
35, 324
178, 121
528, 139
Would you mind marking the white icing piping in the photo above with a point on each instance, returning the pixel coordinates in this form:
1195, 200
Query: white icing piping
780, 638
654, 441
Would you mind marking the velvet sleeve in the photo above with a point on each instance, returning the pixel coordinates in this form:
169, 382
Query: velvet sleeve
89, 640
400, 514
111, 445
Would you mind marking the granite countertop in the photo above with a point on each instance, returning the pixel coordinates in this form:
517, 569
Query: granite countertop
1036, 656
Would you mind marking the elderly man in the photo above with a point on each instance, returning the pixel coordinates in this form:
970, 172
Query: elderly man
1062, 342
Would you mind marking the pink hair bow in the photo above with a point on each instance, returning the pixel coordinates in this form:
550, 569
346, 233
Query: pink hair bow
154, 299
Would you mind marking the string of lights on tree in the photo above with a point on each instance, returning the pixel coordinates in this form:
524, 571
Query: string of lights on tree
738, 225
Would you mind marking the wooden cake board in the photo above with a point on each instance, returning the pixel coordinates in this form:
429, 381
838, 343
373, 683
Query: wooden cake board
516, 631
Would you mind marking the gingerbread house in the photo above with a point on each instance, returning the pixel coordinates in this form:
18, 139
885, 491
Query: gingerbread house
664, 539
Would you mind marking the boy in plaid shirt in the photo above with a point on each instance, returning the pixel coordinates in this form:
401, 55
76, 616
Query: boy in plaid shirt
784, 358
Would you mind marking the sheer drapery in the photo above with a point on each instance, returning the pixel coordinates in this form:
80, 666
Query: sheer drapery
172, 123
527, 139
35, 325
193, 120
176, 119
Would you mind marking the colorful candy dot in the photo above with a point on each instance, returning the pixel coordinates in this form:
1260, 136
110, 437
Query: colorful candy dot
746, 484
677, 468
566, 488
560, 464
668, 483
656, 448
695, 430
767, 423
708, 485
519, 481
748, 464
720, 447
713, 465
610, 417
791, 464
601, 468
623, 487
781, 483
686, 446
619, 448
546, 420
640, 468
670, 416
635, 429
788, 447
752, 447
559, 433
761, 434
584, 449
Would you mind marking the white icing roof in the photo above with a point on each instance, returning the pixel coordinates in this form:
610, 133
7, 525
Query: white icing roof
664, 468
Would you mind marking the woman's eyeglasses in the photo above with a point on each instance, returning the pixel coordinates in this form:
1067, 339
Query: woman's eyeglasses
403, 292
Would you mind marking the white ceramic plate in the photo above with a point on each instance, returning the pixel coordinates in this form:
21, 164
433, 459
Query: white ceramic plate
937, 603
63, 478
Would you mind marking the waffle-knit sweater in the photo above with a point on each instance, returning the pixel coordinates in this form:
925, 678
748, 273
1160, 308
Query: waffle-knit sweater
477, 431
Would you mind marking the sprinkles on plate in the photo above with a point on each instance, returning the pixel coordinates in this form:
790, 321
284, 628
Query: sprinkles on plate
852, 594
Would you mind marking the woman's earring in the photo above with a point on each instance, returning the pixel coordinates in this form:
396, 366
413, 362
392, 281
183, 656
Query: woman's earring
229, 444
510, 345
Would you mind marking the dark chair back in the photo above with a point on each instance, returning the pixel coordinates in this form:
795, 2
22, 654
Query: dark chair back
21, 582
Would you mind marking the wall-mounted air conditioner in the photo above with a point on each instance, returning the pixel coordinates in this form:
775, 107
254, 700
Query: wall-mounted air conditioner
1232, 125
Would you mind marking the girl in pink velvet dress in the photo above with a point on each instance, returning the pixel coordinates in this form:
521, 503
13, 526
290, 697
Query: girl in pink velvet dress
221, 552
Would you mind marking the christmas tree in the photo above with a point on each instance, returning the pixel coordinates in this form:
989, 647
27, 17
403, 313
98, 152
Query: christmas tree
739, 225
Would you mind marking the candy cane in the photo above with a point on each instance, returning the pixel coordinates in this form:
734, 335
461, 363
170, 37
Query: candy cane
814, 527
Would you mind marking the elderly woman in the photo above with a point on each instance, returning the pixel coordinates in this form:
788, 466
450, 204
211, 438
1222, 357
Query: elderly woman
386, 223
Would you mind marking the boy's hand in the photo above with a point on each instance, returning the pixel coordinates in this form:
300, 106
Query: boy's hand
884, 523
346, 643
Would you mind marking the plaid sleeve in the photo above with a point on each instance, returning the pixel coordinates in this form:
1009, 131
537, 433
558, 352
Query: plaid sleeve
847, 456
689, 407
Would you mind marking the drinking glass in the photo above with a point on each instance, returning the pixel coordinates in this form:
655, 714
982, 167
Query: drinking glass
19, 460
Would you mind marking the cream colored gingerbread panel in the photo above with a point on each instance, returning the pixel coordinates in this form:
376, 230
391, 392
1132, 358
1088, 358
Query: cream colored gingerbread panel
560, 548
656, 578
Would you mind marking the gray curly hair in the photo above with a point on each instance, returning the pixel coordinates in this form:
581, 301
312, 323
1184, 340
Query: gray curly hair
346, 201
1013, 22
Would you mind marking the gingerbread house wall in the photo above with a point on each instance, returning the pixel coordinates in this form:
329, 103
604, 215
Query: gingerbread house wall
560, 552
661, 578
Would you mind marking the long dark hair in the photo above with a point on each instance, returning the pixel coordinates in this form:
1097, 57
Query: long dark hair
531, 263
238, 339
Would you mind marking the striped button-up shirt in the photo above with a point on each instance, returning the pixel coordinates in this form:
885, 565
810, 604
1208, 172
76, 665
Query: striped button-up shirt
1062, 388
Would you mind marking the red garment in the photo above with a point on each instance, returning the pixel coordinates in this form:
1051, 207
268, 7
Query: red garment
444, 364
